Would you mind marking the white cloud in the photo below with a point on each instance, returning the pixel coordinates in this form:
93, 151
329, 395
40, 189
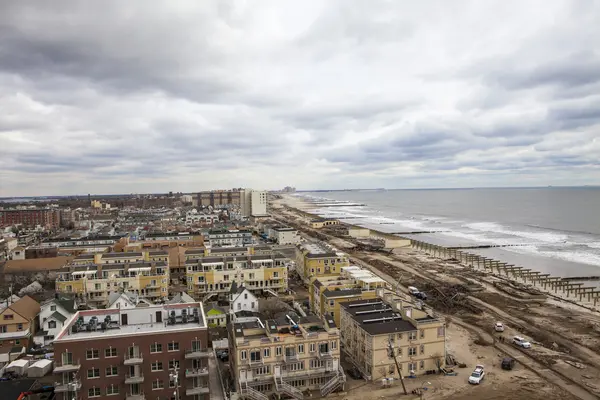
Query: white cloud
119, 98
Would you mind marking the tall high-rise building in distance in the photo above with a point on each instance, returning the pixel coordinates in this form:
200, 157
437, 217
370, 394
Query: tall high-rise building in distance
254, 202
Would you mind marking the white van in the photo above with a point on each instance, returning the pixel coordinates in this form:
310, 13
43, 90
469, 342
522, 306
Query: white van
413, 290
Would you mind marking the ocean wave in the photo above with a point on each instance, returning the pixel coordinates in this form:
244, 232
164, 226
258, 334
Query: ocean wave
545, 237
574, 256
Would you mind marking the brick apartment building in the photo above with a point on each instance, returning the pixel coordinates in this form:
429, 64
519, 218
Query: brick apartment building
31, 218
133, 354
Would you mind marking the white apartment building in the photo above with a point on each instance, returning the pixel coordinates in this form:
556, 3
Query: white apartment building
284, 235
253, 202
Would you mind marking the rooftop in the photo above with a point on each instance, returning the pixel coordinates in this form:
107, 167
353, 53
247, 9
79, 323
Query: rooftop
376, 317
111, 323
122, 255
330, 292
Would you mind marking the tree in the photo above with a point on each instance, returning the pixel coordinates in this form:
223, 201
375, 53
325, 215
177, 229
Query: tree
271, 307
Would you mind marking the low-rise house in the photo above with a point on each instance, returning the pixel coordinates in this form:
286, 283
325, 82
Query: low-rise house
242, 299
373, 331
284, 235
52, 317
320, 259
126, 300
321, 222
18, 321
215, 315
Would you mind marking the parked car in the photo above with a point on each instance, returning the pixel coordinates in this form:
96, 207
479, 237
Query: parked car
477, 375
508, 363
519, 341
413, 290
421, 295
499, 327
223, 355
354, 373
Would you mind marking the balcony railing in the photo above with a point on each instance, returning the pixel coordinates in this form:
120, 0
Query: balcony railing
133, 359
196, 353
291, 357
61, 387
192, 373
325, 354
137, 396
70, 366
129, 379
194, 390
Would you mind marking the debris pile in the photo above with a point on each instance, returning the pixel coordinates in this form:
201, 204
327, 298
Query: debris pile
448, 298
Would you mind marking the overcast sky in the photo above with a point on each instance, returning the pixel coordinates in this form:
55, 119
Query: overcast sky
148, 96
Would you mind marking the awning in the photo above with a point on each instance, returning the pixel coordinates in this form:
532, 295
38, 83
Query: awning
140, 269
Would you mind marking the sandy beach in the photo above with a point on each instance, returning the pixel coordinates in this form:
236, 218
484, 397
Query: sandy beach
564, 361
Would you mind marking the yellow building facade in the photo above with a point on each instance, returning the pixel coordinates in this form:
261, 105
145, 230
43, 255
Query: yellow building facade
95, 276
373, 330
327, 293
210, 273
319, 260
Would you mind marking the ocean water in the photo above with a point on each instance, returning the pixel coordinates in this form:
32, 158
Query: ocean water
552, 230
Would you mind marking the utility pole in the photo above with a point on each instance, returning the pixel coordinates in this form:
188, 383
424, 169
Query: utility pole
175, 378
392, 352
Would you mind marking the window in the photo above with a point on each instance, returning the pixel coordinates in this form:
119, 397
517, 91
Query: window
412, 351
422, 364
112, 371
255, 355
243, 355
334, 345
422, 333
239, 307
156, 348
157, 384
110, 352
267, 352
312, 347
173, 346
94, 392
301, 348
225, 277
112, 390
9, 316
245, 296
173, 364
331, 303
252, 305
422, 349
93, 373
52, 308
412, 335
51, 324
263, 370
277, 351
440, 331
92, 354
156, 366
317, 364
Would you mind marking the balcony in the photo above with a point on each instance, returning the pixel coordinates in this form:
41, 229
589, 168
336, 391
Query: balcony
71, 366
129, 379
133, 359
192, 373
61, 387
192, 391
196, 353
291, 357
138, 396
325, 355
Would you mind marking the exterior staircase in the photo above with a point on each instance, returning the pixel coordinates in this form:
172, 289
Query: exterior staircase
335, 382
288, 389
250, 393
207, 297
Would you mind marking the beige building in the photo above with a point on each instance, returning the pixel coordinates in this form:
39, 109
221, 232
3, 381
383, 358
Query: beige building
95, 276
370, 329
285, 357
328, 292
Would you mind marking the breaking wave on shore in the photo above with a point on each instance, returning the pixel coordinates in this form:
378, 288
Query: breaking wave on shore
526, 240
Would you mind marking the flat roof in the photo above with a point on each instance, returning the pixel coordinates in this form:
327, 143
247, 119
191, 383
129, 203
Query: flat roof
376, 317
341, 292
140, 321
122, 255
